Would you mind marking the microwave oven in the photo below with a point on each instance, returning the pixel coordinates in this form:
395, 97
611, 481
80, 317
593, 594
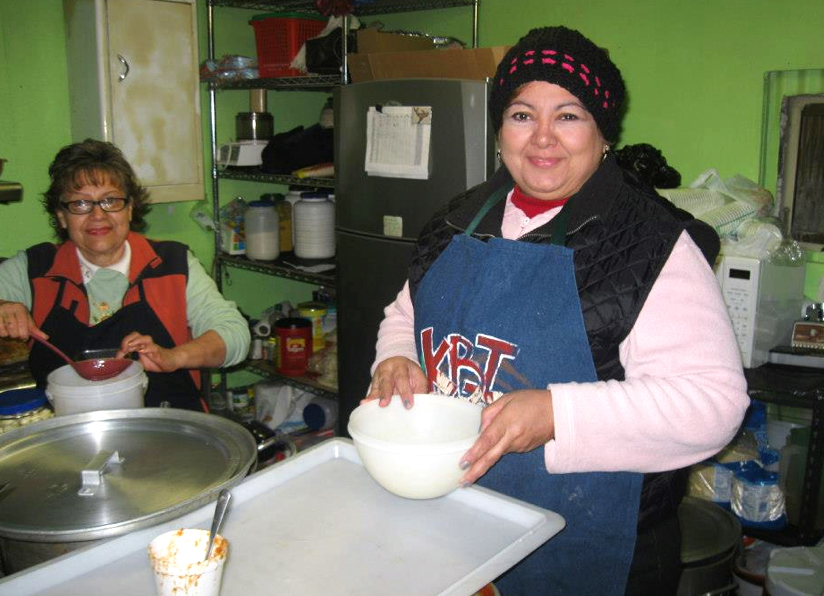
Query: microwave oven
763, 299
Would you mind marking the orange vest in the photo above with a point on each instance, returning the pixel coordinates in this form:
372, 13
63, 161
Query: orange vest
159, 267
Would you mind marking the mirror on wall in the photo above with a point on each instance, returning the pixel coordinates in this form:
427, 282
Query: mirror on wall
792, 150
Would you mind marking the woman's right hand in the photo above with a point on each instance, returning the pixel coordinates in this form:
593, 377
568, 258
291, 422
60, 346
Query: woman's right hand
16, 322
397, 376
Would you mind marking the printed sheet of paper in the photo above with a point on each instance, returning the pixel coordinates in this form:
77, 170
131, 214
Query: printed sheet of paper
398, 141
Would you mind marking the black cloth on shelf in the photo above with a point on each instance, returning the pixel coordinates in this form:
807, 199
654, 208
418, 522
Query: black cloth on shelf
298, 148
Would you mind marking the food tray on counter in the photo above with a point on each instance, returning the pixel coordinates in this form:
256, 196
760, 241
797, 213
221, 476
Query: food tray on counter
317, 523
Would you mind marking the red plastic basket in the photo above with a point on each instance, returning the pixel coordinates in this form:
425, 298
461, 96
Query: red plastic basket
279, 38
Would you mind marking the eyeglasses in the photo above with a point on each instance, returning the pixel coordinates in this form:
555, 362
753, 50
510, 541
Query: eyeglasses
84, 206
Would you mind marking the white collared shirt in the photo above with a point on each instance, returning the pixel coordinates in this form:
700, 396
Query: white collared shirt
105, 286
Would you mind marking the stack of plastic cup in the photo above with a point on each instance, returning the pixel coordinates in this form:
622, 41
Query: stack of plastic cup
179, 567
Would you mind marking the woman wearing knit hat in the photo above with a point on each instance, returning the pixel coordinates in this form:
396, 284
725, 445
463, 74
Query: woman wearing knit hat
580, 310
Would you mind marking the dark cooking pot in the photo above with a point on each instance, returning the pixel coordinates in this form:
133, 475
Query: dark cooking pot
74, 480
271, 446
710, 540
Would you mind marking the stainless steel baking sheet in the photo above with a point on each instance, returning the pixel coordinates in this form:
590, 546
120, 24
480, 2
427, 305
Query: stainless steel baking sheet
317, 523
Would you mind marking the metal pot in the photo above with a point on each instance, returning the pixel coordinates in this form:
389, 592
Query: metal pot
710, 540
271, 446
254, 126
75, 480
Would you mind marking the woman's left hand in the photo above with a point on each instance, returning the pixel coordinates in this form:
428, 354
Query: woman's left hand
517, 422
153, 357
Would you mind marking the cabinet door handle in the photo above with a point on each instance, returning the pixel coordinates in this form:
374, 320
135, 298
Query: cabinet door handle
125, 71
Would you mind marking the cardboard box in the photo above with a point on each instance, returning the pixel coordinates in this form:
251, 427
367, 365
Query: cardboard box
371, 41
231, 241
477, 63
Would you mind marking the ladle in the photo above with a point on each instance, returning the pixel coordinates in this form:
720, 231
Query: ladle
94, 369
220, 510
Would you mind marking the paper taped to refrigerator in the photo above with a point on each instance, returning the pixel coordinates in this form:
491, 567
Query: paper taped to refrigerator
398, 141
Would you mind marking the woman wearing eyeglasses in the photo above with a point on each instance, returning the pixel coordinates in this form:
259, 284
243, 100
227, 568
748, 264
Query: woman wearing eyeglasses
107, 286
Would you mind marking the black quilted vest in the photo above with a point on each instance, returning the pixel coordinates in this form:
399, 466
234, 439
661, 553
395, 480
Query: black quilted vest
622, 233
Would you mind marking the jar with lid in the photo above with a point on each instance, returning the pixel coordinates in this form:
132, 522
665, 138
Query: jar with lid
314, 226
20, 407
262, 233
284, 209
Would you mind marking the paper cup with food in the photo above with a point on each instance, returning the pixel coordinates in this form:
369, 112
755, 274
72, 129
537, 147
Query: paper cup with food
180, 566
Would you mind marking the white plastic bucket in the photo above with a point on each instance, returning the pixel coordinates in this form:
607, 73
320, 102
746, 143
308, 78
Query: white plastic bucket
796, 571
70, 393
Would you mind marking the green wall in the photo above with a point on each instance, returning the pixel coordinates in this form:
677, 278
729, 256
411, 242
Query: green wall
34, 111
694, 72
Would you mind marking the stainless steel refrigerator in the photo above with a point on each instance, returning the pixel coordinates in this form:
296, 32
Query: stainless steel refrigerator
379, 218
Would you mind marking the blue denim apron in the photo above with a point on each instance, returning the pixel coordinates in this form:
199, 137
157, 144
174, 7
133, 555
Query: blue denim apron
498, 316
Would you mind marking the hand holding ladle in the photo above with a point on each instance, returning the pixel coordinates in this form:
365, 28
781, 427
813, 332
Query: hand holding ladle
93, 369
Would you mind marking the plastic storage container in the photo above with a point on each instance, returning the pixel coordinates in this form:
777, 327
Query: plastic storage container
792, 467
314, 226
750, 568
796, 571
262, 231
19, 407
292, 197
279, 37
70, 393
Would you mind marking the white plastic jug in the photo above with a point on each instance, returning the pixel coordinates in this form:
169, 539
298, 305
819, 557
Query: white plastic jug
314, 219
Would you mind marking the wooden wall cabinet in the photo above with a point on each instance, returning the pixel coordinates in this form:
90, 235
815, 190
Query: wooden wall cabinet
134, 80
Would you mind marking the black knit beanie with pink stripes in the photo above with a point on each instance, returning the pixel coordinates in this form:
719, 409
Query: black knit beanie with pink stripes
565, 58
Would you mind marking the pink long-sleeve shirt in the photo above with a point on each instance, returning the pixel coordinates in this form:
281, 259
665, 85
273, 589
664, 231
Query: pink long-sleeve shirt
684, 393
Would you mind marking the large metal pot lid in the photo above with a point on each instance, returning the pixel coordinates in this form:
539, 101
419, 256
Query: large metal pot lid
708, 532
100, 474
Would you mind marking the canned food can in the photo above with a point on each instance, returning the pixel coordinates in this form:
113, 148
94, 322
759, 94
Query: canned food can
272, 351
315, 312
240, 398
294, 345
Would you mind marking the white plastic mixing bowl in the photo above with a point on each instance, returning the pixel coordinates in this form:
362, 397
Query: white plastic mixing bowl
415, 453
